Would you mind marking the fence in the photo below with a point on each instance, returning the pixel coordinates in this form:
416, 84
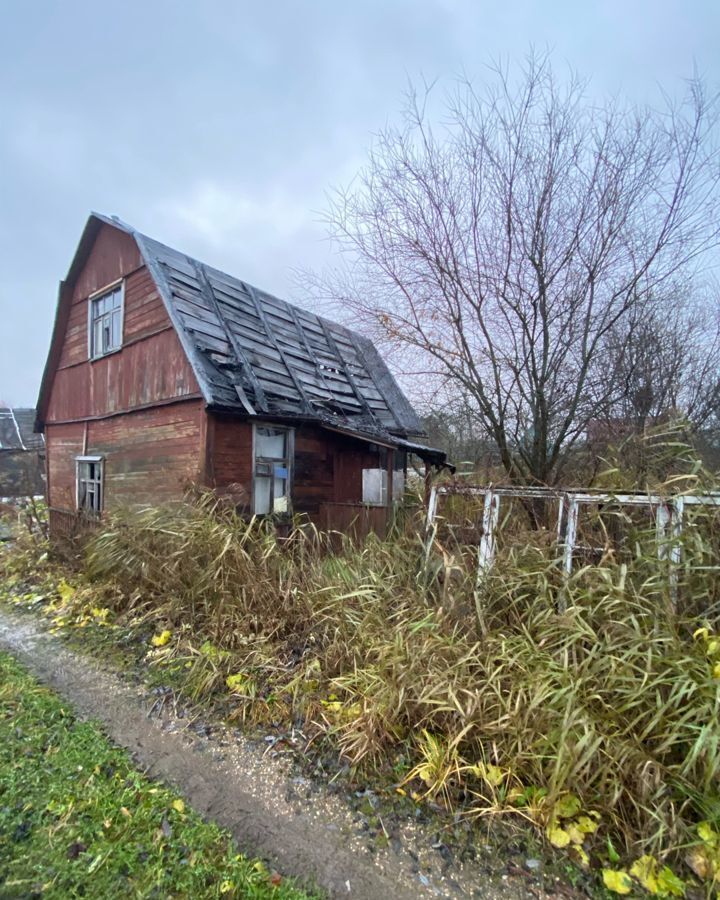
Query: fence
669, 514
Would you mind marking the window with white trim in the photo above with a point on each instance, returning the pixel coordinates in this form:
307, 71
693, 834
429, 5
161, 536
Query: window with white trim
271, 470
105, 321
89, 481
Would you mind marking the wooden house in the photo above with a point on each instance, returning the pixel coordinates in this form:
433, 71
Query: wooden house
165, 372
22, 454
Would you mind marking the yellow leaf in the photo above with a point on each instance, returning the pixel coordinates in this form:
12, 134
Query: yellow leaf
65, 590
567, 806
707, 833
178, 805
583, 858
586, 824
226, 887
669, 883
557, 836
516, 796
703, 633
617, 881
126, 812
399, 790
716, 670
236, 682
494, 775
645, 869
574, 833
159, 640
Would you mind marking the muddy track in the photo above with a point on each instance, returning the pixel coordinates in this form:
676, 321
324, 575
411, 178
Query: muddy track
237, 785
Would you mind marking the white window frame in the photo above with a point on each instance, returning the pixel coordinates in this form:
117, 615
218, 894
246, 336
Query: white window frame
98, 482
93, 353
260, 461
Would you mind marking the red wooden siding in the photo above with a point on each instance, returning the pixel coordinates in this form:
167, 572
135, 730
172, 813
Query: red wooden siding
326, 466
150, 455
313, 469
229, 459
151, 368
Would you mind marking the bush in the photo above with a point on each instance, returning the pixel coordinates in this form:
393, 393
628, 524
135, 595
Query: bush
604, 715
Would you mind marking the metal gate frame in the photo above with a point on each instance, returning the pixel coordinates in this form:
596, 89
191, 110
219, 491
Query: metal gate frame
669, 513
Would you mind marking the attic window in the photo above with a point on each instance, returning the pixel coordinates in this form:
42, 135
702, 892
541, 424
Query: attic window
89, 484
105, 321
271, 468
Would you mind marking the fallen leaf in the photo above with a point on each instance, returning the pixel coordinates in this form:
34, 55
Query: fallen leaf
126, 812
567, 806
708, 834
178, 805
586, 824
159, 640
669, 883
557, 836
697, 860
276, 879
645, 870
617, 881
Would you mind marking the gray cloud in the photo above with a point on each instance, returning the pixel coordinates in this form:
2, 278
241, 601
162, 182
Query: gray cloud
218, 127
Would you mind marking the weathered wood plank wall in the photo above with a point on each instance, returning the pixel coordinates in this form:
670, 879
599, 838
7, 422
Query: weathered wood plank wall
150, 368
140, 407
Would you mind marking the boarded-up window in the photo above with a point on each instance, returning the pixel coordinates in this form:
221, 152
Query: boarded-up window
106, 322
271, 483
374, 486
374, 482
89, 471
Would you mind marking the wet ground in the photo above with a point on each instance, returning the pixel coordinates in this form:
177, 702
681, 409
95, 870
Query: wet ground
345, 843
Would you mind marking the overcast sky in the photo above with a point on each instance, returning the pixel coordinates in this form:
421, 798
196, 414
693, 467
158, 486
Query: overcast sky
218, 127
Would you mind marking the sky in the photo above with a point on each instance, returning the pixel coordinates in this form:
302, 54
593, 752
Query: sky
220, 127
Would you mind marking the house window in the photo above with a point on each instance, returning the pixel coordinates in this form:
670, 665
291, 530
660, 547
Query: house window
89, 479
106, 322
271, 480
375, 481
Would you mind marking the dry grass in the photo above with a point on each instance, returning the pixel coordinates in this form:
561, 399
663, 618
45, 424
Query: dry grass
601, 722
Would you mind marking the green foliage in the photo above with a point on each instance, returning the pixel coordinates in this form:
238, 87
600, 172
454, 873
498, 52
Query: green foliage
78, 820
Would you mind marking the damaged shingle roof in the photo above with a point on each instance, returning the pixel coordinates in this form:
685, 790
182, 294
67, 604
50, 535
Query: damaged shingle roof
16, 429
257, 354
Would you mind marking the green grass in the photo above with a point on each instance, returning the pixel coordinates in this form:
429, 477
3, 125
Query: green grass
78, 820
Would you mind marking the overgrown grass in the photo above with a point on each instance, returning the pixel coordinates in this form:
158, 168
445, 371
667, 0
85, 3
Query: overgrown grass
78, 820
599, 724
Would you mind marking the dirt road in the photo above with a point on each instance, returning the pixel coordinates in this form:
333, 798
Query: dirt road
241, 787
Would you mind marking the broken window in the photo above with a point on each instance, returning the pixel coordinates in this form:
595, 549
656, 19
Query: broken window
106, 322
89, 478
271, 481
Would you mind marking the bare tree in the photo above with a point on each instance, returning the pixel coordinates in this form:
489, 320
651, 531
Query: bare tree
665, 363
502, 251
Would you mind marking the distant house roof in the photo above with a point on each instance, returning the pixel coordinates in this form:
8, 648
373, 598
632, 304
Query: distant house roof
16, 429
255, 354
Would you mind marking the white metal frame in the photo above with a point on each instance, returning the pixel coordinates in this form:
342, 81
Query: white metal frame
669, 513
